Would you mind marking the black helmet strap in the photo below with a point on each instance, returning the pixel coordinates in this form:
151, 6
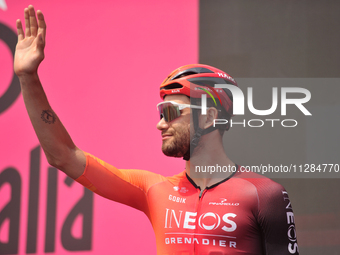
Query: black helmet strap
198, 133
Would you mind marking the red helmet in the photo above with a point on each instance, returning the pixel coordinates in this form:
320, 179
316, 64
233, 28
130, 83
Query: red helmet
195, 80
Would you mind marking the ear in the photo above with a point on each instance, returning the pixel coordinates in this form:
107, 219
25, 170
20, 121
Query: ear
207, 120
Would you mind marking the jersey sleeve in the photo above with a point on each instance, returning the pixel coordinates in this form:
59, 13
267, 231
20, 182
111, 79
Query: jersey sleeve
276, 219
128, 187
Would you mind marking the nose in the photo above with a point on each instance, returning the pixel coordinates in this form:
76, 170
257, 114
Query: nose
162, 124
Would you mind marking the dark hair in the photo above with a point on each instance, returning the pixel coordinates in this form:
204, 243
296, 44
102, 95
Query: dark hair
222, 113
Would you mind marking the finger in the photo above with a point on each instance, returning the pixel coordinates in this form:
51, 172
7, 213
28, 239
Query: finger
27, 23
41, 25
40, 42
20, 30
33, 21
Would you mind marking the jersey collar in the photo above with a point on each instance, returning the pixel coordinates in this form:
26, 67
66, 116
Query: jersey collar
214, 185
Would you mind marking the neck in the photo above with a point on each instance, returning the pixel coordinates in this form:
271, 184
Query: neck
209, 164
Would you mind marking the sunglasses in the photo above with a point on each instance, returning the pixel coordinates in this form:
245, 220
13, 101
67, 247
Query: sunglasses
170, 110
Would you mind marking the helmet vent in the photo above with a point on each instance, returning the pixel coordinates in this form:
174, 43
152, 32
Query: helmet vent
182, 74
172, 86
191, 71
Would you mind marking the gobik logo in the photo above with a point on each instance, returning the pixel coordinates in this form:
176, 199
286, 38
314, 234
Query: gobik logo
238, 105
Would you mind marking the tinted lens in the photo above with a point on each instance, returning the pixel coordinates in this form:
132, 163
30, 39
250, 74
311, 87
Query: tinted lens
169, 112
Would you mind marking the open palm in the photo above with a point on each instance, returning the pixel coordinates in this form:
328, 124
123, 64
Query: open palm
30, 47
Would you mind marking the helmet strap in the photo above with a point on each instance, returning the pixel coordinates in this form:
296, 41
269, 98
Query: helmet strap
197, 136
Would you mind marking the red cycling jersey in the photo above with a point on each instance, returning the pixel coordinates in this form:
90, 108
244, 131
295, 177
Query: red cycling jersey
244, 214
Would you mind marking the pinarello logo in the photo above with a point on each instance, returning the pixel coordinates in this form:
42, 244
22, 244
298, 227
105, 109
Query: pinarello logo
224, 202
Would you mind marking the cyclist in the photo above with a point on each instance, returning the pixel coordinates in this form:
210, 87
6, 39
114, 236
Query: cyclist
232, 213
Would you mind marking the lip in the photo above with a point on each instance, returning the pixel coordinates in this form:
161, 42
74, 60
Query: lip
166, 136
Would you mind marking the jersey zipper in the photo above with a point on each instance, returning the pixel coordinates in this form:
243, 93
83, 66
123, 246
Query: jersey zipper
198, 208
200, 195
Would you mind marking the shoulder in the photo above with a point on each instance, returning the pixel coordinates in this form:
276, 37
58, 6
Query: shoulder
99, 169
260, 182
178, 178
267, 190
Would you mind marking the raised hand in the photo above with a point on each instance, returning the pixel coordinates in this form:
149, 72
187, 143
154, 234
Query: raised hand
30, 47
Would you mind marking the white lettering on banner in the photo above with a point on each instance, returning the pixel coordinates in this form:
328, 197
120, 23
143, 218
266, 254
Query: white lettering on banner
291, 233
189, 221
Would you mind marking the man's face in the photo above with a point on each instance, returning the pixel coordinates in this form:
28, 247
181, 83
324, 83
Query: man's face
176, 134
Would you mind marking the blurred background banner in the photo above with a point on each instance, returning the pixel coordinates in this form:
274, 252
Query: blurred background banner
104, 61
285, 44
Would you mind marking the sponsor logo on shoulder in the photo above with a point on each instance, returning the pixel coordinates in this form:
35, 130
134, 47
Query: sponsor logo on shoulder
178, 199
181, 189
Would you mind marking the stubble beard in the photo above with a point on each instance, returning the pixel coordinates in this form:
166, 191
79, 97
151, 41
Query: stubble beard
178, 145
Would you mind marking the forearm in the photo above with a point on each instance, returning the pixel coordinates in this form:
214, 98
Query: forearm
54, 139
57, 144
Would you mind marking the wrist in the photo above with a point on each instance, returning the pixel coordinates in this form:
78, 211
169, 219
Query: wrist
28, 78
